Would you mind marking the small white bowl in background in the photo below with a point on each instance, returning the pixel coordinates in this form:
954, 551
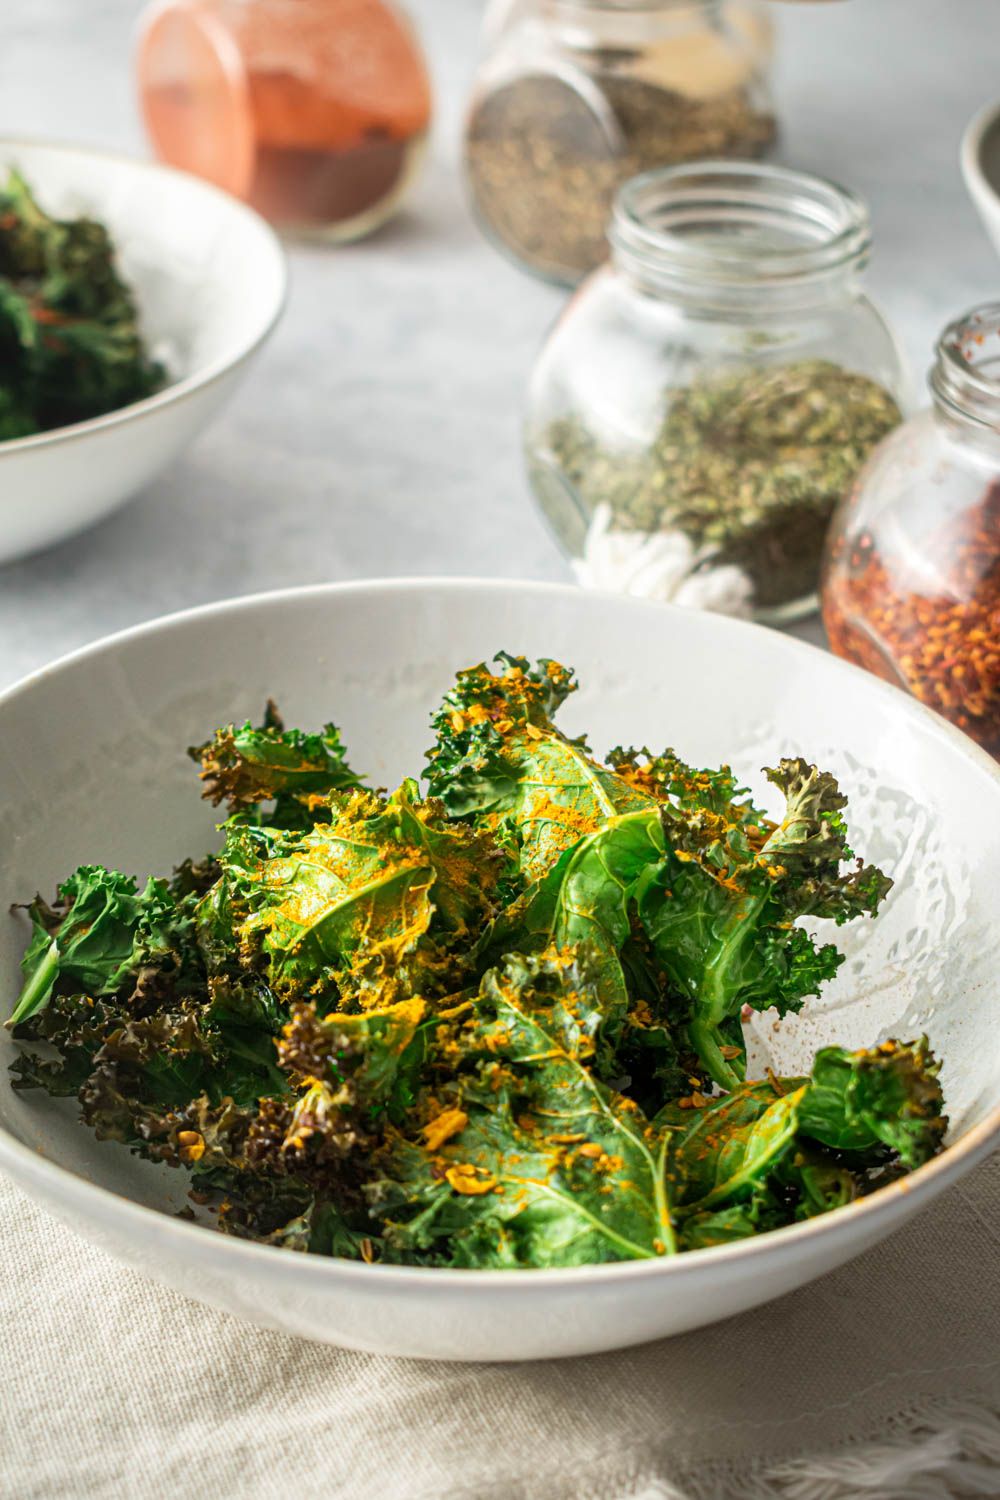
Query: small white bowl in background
980, 158
209, 277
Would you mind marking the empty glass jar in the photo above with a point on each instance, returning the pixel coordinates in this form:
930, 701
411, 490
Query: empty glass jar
710, 394
576, 96
316, 112
911, 586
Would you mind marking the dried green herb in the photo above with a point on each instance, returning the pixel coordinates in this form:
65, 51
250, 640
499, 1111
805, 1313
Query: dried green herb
70, 346
750, 464
544, 166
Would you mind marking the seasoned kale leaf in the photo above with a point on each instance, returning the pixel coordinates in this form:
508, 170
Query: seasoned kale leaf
500, 761
888, 1095
70, 345
586, 899
247, 767
721, 917
382, 901
102, 932
789, 1148
524, 1157
496, 1026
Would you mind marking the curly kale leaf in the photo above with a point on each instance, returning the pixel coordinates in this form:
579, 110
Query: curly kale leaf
70, 345
500, 761
375, 905
248, 766
378, 1051
792, 1148
524, 1157
131, 1071
732, 1145
721, 918
101, 933
587, 899
703, 795
888, 1095
293, 1168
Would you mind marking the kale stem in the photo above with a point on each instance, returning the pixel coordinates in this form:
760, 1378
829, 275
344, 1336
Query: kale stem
37, 989
705, 1041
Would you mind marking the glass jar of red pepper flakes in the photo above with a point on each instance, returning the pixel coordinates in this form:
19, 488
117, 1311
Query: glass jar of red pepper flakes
911, 584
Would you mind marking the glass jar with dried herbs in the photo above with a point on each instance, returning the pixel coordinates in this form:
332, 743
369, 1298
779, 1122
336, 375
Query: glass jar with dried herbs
576, 96
710, 394
911, 585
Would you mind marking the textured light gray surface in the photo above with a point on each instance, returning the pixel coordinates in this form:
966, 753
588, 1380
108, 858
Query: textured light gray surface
379, 432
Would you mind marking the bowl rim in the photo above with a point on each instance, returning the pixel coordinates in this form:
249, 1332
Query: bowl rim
189, 385
27, 1166
984, 194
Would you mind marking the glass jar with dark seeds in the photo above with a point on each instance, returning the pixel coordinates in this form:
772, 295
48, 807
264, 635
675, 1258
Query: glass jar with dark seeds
576, 96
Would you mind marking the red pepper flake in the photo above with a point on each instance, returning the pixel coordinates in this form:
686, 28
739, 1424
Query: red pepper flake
944, 647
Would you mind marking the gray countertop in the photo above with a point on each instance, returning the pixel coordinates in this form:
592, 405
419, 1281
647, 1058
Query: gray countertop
378, 434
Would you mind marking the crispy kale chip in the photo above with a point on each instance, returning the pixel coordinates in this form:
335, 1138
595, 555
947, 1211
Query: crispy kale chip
523, 1157
721, 915
587, 898
101, 933
499, 1026
501, 762
70, 345
247, 767
785, 1149
380, 903
888, 1095
131, 1069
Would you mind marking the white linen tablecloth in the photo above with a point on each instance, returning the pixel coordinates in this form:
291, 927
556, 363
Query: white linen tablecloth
114, 1388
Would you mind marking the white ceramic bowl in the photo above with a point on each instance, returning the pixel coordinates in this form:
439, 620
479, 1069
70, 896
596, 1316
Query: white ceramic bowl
209, 276
92, 767
980, 157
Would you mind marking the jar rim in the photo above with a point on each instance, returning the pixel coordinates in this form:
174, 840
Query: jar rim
957, 379
731, 226
638, 5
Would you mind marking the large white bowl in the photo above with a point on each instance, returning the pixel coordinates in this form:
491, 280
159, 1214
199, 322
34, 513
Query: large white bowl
92, 767
209, 276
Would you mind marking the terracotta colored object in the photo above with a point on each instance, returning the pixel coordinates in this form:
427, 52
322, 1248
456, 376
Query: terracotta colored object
316, 114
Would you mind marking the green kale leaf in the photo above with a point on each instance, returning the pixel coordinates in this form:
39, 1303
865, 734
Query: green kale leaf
524, 1157
587, 899
102, 932
376, 905
792, 1148
721, 918
70, 345
246, 767
500, 761
888, 1095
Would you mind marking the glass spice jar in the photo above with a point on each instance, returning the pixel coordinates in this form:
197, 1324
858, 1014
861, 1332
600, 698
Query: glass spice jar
752, 16
709, 395
316, 112
911, 585
576, 96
